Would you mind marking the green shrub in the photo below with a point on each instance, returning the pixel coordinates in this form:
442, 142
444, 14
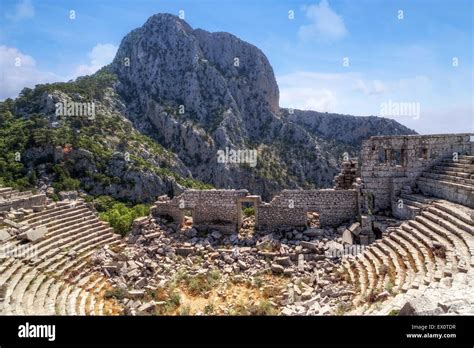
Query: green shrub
250, 211
121, 217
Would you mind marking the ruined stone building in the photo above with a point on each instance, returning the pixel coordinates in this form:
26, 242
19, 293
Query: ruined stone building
426, 181
389, 166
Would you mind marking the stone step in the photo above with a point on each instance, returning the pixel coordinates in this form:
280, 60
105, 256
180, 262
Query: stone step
416, 253
72, 301
460, 212
370, 270
52, 210
424, 226
469, 167
403, 262
428, 262
450, 178
348, 269
52, 297
73, 244
57, 226
32, 293
19, 293
51, 246
62, 299
448, 171
10, 295
436, 183
376, 267
9, 271
88, 250
455, 226
445, 228
413, 258
41, 297
393, 273
439, 263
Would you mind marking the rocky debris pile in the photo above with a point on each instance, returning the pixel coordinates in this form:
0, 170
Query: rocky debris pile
158, 251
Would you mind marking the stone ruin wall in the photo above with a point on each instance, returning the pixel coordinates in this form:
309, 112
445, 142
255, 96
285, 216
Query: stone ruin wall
221, 209
210, 208
333, 206
26, 201
391, 162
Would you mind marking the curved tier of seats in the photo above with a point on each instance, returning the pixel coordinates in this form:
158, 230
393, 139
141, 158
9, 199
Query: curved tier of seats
55, 280
436, 244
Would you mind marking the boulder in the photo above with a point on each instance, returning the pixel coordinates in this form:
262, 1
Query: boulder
276, 268
348, 237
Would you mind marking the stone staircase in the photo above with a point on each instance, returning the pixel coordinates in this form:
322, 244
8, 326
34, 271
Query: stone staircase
55, 279
437, 244
450, 180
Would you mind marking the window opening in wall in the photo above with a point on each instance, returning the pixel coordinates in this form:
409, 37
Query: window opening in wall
404, 157
381, 155
388, 155
397, 156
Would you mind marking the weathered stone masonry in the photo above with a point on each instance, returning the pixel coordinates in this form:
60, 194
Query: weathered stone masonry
221, 209
389, 164
392, 162
209, 208
333, 206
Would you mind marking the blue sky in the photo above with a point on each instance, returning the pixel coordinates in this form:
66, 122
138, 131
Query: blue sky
392, 58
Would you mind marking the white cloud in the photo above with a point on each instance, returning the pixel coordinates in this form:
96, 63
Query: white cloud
350, 93
23, 10
100, 55
373, 87
326, 25
15, 78
308, 98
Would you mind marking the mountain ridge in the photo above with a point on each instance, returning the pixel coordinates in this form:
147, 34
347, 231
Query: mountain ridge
194, 93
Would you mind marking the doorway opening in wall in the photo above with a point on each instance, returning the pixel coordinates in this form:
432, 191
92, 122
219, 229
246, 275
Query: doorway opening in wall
312, 219
187, 221
247, 218
248, 215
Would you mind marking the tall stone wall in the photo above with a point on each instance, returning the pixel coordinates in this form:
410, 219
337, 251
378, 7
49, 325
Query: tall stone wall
221, 209
291, 206
210, 208
391, 162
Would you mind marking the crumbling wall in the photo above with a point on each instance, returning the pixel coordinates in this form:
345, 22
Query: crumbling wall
392, 162
349, 172
290, 208
26, 201
210, 208
221, 209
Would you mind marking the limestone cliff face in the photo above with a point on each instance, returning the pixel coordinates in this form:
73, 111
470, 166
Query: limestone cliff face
197, 92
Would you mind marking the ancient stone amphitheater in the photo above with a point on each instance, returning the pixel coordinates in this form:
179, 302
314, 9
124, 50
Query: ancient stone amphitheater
44, 257
426, 259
